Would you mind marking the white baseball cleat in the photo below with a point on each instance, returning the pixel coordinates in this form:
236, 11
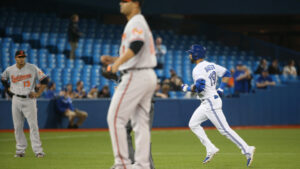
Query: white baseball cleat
250, 155
210, 156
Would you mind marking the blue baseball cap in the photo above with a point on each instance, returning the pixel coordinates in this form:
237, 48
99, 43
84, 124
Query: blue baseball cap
197, 51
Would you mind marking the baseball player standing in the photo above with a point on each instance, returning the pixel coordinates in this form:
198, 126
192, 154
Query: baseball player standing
132, 98
129, 138
23, 77
205, 76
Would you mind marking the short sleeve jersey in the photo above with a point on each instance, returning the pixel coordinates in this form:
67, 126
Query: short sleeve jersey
137, 29
209, 72
23, 81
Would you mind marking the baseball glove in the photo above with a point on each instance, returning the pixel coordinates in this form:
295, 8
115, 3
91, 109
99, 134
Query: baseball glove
108, 74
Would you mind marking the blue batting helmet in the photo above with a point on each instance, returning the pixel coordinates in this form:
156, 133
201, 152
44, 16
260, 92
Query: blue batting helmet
197, 51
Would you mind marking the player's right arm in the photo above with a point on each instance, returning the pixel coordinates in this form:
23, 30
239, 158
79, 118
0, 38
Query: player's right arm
4, 80
107, 60
5, 83
198, 87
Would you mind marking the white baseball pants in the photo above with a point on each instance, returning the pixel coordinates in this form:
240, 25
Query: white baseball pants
132, 101
211, 109
21, 109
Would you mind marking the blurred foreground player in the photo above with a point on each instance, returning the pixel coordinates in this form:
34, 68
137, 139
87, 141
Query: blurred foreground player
132, 97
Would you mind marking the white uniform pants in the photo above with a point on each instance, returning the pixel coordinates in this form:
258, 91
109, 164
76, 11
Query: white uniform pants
132, 101
21, 109
211, 109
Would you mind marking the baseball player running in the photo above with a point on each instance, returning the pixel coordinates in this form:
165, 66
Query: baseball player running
205, 76
23, 77
132, 98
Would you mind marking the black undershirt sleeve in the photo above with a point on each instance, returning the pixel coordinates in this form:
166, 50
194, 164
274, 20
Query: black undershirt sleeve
45, 81
136, 46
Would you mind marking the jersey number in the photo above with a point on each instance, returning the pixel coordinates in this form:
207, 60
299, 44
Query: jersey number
26, 83
213, 77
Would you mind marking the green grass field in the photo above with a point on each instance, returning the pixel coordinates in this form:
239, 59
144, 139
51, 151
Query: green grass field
172, 149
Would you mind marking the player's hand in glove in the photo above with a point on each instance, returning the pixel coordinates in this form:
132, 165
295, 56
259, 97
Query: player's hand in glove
220, 92
186, 88
106, 72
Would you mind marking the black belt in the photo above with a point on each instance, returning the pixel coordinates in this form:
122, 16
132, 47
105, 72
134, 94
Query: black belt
130, 69
22, 96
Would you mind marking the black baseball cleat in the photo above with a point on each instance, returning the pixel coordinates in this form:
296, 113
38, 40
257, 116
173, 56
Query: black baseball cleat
39, 155
19, 155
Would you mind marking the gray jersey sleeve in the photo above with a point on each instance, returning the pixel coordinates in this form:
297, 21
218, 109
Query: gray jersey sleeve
40, 75
4, 75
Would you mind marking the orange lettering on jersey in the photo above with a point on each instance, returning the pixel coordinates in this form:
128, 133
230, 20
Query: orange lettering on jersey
41, 73
123, 36
20, 78
137, 31
26, 83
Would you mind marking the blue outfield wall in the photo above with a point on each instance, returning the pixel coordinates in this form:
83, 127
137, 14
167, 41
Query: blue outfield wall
277, 106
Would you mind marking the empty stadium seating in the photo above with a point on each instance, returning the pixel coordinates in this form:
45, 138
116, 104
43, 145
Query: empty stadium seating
44, 38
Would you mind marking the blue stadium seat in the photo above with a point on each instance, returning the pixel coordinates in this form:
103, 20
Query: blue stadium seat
276, 79
42, 52
78, 63
78, 53
26, 36
284, 78
180, 94
35, 36
47, 71
172, 94
293, 78
66, 76
56, 76
159, 73
32, 56
6, 46
51, 60
25, 47
69, 63
60, 60
75, 75
61, 47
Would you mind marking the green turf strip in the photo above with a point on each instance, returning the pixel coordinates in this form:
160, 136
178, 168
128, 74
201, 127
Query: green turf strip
172, 149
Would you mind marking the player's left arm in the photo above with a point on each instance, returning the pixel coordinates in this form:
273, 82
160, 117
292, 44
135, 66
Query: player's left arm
225, 79
43, 79
133, 49
44, 82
